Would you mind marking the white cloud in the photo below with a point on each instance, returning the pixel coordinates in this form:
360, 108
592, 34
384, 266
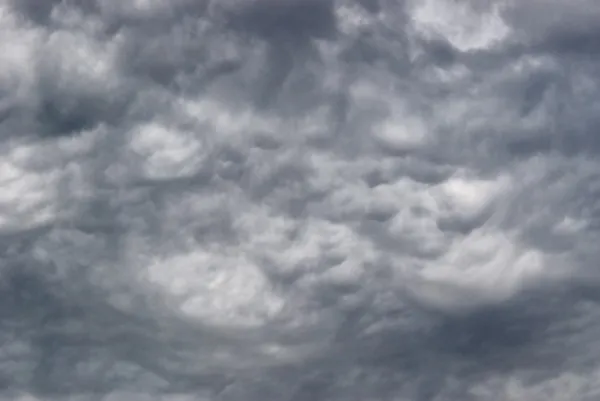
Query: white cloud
460, 23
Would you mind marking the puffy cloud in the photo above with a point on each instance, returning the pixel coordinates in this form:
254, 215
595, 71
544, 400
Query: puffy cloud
325, 200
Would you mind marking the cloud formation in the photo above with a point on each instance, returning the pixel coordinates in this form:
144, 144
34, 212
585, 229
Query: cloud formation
299, 200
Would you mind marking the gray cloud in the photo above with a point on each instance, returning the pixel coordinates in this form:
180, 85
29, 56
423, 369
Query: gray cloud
293, 200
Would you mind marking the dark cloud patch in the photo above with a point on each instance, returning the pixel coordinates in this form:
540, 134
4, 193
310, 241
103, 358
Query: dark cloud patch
280, 63
39, 11
522, 335
557, 28
69, 114
286, 20
582, 43
533, 92
149, 18
441, 52
372, 6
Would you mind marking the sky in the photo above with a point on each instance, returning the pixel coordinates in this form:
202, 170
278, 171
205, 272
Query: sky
299, 200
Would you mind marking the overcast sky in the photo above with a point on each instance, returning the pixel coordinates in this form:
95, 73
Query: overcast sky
300, 200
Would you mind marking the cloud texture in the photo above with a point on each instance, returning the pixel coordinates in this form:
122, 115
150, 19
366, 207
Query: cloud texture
299, 200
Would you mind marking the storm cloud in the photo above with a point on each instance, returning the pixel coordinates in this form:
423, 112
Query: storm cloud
299, 200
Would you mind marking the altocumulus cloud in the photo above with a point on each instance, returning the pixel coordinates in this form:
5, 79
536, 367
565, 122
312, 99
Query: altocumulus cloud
299, 200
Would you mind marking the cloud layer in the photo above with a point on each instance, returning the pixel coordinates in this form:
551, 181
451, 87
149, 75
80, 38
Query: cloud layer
299, 200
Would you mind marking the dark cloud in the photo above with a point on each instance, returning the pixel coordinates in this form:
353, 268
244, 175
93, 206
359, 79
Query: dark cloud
289, 19
38, 11
325, 200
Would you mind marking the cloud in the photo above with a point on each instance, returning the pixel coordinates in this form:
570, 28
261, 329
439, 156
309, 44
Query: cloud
326, 200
